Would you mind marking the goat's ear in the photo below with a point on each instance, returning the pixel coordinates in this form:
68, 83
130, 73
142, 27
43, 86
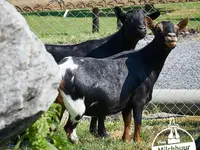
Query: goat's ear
119, 14
154, 15
182, 24
149, 23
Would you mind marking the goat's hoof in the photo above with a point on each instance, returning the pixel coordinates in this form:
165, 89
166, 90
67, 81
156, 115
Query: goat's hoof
73, 141
138, 140
73, 138
126, 138
93, 131
103, 134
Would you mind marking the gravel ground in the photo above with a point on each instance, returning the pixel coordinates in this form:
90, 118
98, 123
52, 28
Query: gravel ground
182, 67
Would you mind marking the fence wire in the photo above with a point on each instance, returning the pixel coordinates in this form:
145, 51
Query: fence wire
70, 21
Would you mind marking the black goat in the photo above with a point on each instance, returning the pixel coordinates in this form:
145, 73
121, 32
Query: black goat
79, 50
99, 87
126, 38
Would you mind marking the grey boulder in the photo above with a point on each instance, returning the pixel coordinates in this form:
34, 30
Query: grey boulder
29, 76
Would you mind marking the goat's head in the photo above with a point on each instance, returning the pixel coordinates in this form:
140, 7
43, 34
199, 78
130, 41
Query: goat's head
134, 25
166, 31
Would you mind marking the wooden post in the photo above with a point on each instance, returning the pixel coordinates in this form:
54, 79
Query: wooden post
95, 19
119, 24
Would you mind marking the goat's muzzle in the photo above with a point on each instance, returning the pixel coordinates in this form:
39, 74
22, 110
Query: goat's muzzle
171, 40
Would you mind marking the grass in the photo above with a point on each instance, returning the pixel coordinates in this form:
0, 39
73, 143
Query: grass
150, 129
51, 27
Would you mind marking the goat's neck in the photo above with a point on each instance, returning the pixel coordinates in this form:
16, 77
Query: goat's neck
121, 42
155, 54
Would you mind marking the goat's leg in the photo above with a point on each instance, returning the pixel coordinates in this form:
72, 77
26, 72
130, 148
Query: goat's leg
70, 129
126, 113
93, 125
137, 115
101, 127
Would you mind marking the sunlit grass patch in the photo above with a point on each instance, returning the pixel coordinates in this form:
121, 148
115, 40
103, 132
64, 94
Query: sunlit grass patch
51, 27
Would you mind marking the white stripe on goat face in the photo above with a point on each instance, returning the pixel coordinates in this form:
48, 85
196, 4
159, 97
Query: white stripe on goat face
68, 64
76, 108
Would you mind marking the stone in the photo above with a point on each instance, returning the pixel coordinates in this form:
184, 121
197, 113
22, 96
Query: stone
29, 76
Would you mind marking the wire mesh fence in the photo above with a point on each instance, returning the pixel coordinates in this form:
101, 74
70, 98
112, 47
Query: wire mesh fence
62, 21
46, 17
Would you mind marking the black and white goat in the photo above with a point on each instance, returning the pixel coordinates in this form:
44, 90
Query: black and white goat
133, 29
99, 87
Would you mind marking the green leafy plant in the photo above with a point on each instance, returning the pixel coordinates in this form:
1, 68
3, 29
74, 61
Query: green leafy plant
43, 133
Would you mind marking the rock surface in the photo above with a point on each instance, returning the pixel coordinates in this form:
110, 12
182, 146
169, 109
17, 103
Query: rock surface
29, 76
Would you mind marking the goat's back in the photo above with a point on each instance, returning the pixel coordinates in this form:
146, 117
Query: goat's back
79, 50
